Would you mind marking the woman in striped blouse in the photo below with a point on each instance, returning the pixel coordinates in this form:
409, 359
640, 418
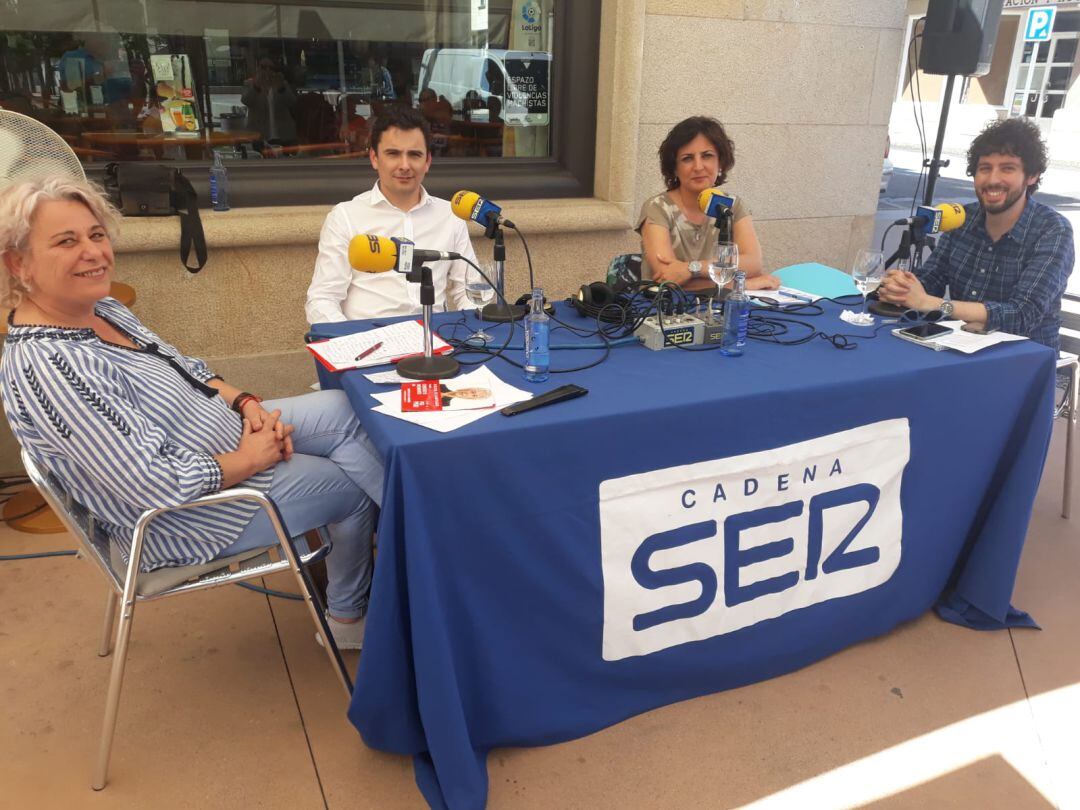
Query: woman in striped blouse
127, 422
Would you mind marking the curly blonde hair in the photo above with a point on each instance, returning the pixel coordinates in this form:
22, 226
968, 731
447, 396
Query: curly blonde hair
19, 203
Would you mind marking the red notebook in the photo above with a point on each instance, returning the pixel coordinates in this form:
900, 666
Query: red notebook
376, 347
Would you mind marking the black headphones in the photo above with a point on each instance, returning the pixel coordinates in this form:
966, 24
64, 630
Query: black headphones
596, 294
599, 300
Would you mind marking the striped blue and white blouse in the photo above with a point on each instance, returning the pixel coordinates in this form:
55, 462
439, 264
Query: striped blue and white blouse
126, 432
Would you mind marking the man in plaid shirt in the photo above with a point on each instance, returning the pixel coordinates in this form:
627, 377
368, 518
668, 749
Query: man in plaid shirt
1006, 268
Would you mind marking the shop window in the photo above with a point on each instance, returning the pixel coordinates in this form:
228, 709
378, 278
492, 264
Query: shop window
294, 88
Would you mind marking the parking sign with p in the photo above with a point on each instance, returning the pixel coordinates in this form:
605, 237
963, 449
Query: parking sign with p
1040, 23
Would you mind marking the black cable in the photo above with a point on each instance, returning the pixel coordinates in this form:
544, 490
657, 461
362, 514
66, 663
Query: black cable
528, 256
269, 591
919, 113
660, 322
889, 228
498, 292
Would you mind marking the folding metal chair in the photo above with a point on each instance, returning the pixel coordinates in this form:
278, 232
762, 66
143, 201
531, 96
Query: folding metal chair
1068, 366
131, 586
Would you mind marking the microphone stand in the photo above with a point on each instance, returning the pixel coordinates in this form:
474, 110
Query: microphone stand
725, 226
499, 311
934, 164
428, 366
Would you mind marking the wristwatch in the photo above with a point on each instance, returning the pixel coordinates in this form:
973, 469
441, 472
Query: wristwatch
695, 269
946, 305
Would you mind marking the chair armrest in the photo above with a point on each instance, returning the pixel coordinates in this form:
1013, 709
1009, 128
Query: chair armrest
224, 496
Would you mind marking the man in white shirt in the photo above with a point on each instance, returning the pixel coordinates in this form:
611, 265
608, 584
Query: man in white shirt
399, 206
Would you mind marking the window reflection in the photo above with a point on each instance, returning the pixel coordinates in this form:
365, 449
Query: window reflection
180, 79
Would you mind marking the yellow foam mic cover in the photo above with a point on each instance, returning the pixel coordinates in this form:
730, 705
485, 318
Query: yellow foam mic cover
463, 203
372, 254
705, 199
952, 216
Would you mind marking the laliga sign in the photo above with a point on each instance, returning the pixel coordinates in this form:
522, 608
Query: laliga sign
705, 549
530, 15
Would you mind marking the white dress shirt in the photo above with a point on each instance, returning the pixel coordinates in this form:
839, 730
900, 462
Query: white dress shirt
339, 293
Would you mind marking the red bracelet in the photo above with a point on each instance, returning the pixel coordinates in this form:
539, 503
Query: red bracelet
242, 400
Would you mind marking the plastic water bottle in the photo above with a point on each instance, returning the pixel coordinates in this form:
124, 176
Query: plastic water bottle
736, 315
219, 184
537, 332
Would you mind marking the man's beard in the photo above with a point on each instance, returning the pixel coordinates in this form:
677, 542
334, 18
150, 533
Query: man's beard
1010, 199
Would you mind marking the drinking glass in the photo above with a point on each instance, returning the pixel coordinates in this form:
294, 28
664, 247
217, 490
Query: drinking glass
480, 292
722, 267
867, 272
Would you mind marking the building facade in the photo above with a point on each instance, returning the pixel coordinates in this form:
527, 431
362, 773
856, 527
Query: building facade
805, 90
1036, 78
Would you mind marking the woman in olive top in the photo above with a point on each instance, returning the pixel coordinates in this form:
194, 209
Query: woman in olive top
677, 239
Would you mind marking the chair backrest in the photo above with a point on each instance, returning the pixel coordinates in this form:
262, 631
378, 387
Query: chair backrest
73, 515
817, 279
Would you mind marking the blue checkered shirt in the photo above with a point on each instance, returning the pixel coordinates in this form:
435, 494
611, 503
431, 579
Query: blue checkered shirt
1019, 279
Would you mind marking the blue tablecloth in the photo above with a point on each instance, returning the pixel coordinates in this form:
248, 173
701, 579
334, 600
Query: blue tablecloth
496, 618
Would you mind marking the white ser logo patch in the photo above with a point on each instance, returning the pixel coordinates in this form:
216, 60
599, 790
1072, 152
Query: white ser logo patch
701, 550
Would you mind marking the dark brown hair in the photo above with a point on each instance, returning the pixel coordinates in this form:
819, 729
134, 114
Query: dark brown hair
1018, 137
399, 117
685, 131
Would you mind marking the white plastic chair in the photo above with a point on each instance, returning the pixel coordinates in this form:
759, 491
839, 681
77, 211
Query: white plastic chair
131, 586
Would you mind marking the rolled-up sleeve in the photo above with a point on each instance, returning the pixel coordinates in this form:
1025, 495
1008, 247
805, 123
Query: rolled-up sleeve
1040, 286
330, 281
86, 413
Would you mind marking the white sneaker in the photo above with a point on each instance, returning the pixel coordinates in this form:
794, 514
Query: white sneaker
347, 635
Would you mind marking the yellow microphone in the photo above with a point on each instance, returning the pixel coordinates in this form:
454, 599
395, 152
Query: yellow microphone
469, 205
377, 254
953, 216
713, 202
372, 254
931, 219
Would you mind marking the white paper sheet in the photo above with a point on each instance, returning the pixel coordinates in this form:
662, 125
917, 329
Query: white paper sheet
446, 421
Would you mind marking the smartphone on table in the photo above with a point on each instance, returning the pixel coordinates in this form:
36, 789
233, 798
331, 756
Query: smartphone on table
924, 331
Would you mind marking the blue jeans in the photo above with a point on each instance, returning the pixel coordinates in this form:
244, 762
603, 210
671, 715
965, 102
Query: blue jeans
334, 479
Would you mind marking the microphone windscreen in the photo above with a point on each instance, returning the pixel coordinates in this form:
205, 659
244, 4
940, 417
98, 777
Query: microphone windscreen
372, 254
464, 203
711, 199
952, 216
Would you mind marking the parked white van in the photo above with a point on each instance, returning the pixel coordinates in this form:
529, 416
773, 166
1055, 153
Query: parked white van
520, 79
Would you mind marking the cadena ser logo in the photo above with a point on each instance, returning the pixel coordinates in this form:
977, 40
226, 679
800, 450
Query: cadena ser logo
705, 549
